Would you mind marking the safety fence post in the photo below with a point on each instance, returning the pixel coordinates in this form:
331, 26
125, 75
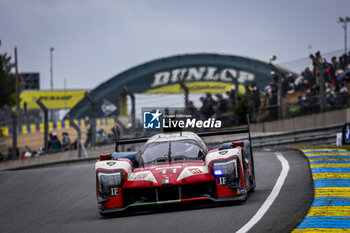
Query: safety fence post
46, 124
80, 145
93, 118
14, 132
321, 82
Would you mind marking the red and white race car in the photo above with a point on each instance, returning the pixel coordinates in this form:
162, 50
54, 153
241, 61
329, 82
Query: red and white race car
175, 167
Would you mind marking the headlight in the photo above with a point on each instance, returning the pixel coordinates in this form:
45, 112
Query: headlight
225, 168
109, 183
227, 172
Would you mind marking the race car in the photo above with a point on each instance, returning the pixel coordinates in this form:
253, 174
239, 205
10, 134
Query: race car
174, 167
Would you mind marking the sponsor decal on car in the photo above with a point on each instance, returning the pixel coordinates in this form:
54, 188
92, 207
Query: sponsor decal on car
141, 176
195, 171
241, 190
166, 180
114, 191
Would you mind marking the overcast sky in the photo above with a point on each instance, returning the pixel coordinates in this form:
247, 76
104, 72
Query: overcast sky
95, 40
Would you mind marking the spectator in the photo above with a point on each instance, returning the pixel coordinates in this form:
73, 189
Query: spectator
274, 76
311, 104
300, 83
309, 77
66, 142
54, 143
327, 71
255, 95
290, 82
271, 102
343, 94
222, 107
316, 70
102, 137
232, 98
343, 60
208, 105
335, 66
192, 110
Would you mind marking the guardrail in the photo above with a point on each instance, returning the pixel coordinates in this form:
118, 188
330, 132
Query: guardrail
315, 136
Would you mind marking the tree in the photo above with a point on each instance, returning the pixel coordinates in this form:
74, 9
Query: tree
7, 81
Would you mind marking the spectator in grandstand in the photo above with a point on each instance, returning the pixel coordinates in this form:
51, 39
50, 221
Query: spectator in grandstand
66, 142
316, 70
343, 94
255, 95
326, 71
208, 105
343, 76
54, 143
290, 81
222, 105
311, 103
231, 98
344, 61
285, 85
335, 66
308, 76
300, 83
335, 63
331, 95
271, 102
274, 76
102, 137
192, 110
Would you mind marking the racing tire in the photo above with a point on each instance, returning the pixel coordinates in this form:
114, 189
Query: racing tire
252, 189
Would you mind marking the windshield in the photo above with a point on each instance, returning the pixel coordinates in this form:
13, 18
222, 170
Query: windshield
159, 152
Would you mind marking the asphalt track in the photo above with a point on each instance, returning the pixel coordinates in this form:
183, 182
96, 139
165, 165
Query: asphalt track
62, 199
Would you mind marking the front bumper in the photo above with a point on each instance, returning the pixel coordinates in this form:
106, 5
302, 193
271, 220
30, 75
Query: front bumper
187, 200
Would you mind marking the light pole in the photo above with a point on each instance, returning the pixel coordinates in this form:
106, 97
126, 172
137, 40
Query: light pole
345, 21
51, 71
51, 78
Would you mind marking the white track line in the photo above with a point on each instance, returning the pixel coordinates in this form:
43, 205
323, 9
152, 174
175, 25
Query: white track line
271, 198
